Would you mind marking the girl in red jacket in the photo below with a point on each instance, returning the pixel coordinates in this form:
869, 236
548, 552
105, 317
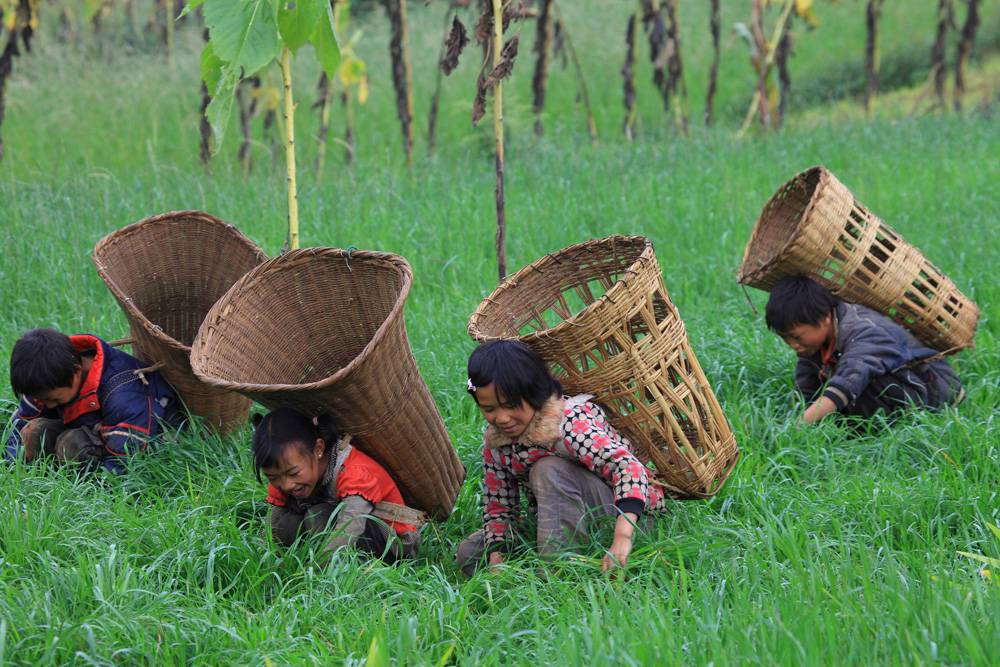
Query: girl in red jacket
319, 482
561, 450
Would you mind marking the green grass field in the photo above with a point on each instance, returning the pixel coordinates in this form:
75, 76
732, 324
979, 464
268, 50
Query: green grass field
823, 548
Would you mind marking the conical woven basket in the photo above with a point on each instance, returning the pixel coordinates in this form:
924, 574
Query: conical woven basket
600, 314
166, 271
322, 330
814, 226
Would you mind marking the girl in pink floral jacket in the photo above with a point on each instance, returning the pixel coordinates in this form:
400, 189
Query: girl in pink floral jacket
562, 451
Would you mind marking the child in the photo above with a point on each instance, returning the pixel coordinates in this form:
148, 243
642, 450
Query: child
83, 401
313, 474
852, 360
563, 451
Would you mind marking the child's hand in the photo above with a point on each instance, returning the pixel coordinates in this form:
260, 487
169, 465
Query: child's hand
617, 554
621, 545
30, 440
821, 408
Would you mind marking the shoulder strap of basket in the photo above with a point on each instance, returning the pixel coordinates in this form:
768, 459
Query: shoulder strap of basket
928, 359
399, 513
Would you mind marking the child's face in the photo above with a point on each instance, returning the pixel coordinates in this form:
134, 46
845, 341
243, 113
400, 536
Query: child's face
510, 419
62, 396
808, 339
298, 470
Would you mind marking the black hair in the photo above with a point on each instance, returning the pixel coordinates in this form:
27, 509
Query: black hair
516, 370
280, 429
798, 300
42, 360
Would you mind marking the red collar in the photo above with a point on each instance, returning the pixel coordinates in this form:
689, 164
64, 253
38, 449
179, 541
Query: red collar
86, 401
826, 352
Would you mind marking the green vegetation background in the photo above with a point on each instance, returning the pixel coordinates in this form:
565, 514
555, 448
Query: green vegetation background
822, 548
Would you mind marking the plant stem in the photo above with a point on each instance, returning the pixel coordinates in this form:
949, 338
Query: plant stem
628, 77
289, 114
584, 97
964, 49
498, 135
872, 13
326, 97
713, 74
779, 30
543, 45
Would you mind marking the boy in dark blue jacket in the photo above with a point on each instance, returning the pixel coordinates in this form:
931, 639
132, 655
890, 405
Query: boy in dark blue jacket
853, 360
82, 400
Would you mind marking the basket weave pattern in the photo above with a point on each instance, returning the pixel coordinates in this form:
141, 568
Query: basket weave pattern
600, 314
322, 330
166, 271
814, 226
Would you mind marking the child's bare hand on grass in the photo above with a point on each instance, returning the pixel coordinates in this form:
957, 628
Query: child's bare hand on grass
621, 546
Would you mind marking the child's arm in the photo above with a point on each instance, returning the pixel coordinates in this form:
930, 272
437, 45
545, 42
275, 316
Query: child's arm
608, 457
501, 501
352, 512
129, 418
285, 525
807, 379
868, 353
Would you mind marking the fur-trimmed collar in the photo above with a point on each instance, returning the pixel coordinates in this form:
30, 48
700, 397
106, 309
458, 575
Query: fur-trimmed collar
544, 430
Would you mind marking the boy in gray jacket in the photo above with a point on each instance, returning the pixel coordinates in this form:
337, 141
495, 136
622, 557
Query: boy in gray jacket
852, 360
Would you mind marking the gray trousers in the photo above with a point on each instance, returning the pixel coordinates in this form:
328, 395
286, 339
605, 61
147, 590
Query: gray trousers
569, 497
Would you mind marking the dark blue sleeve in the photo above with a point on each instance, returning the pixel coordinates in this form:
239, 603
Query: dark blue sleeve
128, 418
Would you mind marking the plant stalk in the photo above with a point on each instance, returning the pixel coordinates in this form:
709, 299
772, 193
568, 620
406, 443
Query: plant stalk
498, 136
584, 96
779, 30
289, 114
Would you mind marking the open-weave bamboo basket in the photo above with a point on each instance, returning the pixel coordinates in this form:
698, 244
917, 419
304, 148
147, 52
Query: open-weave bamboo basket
166, 271
814, 226
600, 314
322, 330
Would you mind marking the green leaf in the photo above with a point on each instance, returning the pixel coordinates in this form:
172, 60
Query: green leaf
221, 107
244, 32
190, 7
995, 562
325, 42
376, 654
211, 67
297, 20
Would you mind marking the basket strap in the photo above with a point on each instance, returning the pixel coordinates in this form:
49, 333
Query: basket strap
121, 341
141, 372
928, 359
399, 513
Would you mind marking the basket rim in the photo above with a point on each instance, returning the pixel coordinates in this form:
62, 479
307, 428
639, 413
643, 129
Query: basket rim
287, 262
748, 277
126, 301
510, 282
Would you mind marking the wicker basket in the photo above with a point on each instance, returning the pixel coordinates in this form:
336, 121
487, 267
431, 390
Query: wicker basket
600, 314
166, 271
322, 330
814, 226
